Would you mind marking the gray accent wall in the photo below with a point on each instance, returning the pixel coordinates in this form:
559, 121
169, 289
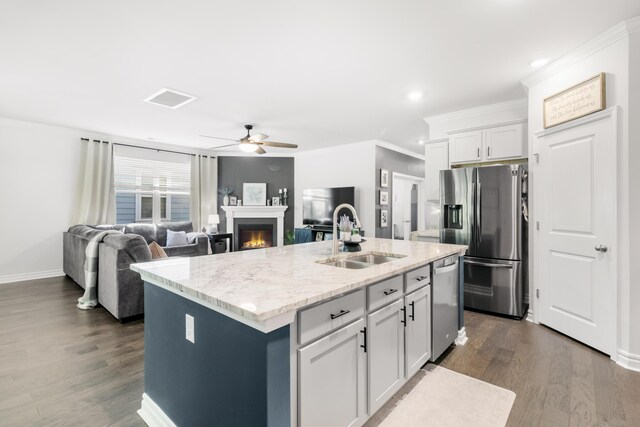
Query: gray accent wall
277, 172
393, 162
232, 376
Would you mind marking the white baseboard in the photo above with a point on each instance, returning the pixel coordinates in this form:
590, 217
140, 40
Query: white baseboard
529, 317
30, 276
462, 337
152, 415
628, 360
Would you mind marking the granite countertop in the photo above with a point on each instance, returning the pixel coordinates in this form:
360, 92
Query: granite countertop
265, 283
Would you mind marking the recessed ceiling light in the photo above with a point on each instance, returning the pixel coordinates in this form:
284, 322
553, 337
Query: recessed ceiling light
539, 62
414, 96
421, 142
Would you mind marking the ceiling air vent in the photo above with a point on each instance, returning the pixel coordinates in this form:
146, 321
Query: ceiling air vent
170, 98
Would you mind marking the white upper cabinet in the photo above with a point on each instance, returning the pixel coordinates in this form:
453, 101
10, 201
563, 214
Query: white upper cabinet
489, 144
465, 147
505, 142
436, 157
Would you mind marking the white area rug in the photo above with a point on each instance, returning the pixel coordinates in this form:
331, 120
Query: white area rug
439, 397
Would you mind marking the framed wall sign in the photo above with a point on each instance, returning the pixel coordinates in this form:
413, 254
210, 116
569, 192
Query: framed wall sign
384, 218
255, 194
575, 102
384, 178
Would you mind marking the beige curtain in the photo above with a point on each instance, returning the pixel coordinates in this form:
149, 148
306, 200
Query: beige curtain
97, 198
204, 189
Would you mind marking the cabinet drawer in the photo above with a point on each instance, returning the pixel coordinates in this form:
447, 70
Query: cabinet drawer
384, 292
324, 318
417, 278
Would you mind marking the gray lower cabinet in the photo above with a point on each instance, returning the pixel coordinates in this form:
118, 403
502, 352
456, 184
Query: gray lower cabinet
418, 330
386, 353
332, 379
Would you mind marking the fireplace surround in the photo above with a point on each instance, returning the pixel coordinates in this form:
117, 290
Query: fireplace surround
252, 215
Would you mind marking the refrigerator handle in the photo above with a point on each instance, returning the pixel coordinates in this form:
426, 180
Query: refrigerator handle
474, 211
478, 213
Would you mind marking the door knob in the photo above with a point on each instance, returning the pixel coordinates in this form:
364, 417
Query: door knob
602, 248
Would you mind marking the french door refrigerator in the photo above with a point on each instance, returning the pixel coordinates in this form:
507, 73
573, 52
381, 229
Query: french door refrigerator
485, 208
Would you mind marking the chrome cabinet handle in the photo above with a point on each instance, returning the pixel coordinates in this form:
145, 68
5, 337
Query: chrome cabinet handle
602, 248
390, 291
342, 313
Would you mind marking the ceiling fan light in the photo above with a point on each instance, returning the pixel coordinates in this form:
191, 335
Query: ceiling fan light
248, 147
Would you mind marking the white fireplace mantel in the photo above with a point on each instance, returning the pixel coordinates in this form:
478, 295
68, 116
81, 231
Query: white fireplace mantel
277, 212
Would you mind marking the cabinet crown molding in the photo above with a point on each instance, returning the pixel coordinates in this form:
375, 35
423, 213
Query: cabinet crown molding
612, 35
488, 126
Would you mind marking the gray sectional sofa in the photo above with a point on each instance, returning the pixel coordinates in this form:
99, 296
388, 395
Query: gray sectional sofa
120, 290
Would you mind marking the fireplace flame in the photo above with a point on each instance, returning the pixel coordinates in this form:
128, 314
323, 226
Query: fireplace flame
256, 241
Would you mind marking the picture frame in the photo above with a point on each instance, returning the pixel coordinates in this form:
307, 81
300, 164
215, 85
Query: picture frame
384, 178
384, 198
319, 236
254, 193
233, 200
587, 97
275, 201
384, 218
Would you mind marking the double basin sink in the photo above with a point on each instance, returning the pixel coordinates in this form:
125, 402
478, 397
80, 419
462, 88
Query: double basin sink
360, 261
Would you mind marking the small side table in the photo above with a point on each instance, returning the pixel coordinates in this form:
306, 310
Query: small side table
220, 237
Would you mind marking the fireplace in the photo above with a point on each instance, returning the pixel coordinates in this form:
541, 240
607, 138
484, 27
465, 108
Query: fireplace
255, 237
254, 233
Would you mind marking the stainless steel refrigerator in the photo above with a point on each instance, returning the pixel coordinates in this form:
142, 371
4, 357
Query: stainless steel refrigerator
485, 208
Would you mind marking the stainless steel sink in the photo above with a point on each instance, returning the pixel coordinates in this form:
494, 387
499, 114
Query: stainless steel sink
374, 258
347, 263
355, 262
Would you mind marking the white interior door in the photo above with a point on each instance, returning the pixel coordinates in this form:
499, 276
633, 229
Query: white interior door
577, 205
407, 213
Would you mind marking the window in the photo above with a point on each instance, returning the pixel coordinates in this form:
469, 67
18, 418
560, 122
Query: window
151, 186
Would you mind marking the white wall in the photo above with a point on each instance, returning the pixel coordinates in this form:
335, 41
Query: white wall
39, 171
340, 166
480, 116
613, 58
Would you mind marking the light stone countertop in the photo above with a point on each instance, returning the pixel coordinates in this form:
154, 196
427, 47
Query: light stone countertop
265, 283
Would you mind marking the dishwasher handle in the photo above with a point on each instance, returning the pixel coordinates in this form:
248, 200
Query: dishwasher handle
447, 269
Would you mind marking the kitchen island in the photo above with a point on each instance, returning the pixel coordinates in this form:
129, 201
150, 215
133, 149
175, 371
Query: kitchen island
278, 337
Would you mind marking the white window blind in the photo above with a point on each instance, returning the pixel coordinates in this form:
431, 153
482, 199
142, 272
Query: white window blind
139, 170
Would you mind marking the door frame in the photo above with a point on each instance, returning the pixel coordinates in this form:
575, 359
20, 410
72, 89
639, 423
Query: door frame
535, 182
421, 197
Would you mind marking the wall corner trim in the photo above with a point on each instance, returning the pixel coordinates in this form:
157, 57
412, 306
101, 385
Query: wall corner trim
152, 415
628, 360
612, 35
30, 276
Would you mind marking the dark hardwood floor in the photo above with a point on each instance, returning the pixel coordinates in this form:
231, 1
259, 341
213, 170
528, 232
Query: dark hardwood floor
60, 366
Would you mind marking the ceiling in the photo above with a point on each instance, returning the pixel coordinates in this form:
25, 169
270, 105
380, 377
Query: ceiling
312, 73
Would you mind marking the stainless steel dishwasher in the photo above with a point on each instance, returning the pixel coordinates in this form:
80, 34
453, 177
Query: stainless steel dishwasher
444, 305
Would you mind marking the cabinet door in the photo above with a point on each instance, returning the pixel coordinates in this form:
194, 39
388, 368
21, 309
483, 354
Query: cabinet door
418, 330
332, 375
505, 142
465, 147
386, 353
436, 157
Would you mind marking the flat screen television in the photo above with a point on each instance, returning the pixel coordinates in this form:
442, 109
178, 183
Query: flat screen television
318, 204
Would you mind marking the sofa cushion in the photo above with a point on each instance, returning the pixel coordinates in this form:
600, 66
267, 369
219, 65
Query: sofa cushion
147, 231
156, 251
176, 238
185, 226
117, 227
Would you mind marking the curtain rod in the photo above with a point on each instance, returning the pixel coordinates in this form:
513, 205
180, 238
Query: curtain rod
147, 148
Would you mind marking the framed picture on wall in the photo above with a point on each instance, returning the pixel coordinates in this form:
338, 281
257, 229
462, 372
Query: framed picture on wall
255, 194
384, 197
384, 218
233, 200
384, 178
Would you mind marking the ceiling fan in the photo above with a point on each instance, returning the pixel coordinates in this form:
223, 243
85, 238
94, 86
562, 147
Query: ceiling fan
252, 143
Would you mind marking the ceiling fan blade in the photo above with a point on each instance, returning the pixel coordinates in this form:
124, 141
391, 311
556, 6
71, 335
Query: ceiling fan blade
258, 137
217, 137
222, 146
279, 144
260, 150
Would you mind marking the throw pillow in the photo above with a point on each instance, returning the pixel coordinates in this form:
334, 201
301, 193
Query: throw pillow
176, 238
157, 251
